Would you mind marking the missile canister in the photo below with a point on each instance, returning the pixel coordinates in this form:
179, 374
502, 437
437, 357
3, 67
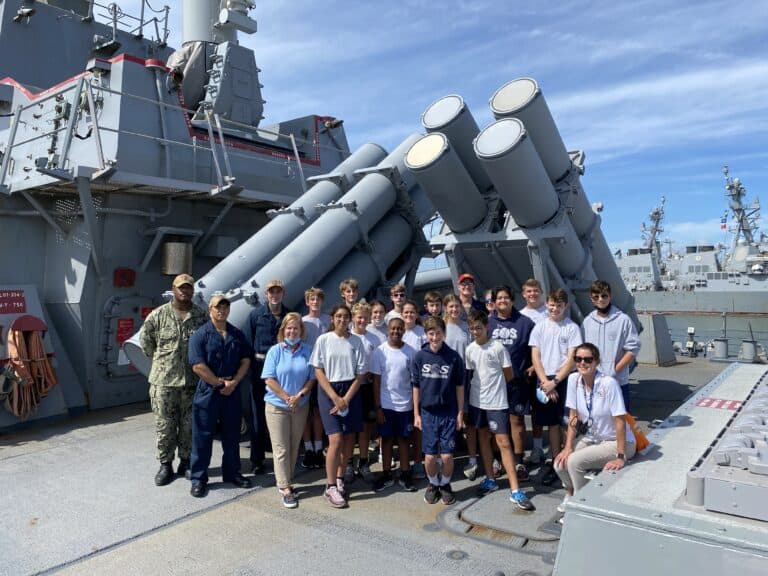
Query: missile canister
440, 172
522, 99
451, 116
265, 244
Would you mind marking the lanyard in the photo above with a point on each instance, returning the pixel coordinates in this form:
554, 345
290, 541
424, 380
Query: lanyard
588, 401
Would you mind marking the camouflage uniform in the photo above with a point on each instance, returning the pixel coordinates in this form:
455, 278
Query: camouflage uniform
165, 339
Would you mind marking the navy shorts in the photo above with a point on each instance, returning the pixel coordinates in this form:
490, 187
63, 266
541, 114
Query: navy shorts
518, 397
551, 413
497, 421
397, 424
438, 433
369, 408
335, 424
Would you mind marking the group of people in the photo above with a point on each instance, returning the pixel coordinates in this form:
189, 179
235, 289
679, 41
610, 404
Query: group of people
416, 378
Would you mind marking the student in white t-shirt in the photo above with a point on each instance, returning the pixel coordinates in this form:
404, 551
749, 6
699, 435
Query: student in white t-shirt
391, 367
361, 316
339, 362
315, 324
552, 343
378, 326
415, 337
491, 367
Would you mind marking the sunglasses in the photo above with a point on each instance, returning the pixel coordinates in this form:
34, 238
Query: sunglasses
584, 359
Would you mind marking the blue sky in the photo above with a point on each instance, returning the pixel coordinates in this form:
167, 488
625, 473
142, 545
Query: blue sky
660, 95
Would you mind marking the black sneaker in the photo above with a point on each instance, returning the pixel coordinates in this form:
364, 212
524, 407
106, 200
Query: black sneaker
406, 482
319, 461
522, 473
550, 476
446, 492
308, 460
432, 494
383, 482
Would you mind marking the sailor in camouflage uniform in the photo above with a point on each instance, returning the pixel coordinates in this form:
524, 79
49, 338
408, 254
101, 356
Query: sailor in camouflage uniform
165, 339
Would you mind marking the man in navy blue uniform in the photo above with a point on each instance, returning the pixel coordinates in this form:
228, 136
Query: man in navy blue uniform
263, 323
220, 356
513, 329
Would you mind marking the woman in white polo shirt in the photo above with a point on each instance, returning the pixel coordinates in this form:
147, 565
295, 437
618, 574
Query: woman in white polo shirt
597, 417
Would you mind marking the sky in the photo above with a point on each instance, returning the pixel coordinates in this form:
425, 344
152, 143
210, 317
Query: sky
659, 95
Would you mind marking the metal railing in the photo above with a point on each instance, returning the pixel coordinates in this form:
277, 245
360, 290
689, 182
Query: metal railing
85, 90
149, 18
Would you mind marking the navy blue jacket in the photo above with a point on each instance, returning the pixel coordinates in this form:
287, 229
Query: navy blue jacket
206, 346
514, 332
437, 375
264, 327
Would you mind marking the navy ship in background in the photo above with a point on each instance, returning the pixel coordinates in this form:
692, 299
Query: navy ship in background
721, 292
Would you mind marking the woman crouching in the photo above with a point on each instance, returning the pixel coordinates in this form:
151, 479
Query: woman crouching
598, 418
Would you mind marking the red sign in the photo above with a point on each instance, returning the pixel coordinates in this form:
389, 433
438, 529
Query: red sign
124, 329
12, 302
145, 310
718, 403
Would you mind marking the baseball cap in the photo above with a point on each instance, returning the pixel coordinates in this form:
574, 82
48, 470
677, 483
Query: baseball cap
182, 279
217, 299
274, 284
467, 276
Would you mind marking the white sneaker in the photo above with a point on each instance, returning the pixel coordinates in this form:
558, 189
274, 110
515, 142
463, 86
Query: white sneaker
561, 506
470, 471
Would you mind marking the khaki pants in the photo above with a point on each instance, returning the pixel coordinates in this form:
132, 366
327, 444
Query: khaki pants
285, 429
587, 456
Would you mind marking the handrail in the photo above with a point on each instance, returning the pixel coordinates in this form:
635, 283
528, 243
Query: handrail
113, 14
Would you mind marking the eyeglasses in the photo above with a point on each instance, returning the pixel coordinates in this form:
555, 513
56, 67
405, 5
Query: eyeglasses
584, 359
489, 300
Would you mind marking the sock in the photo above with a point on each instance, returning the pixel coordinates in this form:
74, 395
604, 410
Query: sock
538, 444
318, 445
434, 480
308, 445
473, 460
444, 480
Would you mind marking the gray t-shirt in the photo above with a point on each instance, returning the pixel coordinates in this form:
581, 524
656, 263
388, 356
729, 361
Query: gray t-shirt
341, 358
457, 336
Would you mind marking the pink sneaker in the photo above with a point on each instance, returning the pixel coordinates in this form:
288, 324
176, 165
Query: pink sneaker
334, 497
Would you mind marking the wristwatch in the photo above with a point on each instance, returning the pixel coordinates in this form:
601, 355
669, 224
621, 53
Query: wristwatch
620, 456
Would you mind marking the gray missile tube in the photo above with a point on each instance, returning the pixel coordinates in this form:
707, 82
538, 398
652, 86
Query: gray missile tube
390, 238
440, 172
314, 253
265, 244
522, 183
451, 116
522, 99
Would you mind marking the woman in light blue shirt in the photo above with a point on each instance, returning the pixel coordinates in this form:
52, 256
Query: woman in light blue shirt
289, 379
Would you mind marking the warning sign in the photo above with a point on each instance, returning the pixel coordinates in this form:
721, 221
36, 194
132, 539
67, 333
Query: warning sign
124, 329
12, 302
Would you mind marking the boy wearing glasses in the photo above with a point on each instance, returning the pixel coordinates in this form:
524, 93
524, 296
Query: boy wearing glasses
553, 342
614, 334
397, 295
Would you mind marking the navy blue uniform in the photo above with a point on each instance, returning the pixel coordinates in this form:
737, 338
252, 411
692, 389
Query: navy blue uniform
223, 357
515, 332
437, 375
263, 327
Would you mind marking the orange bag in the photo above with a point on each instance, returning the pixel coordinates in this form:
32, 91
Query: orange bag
641, 440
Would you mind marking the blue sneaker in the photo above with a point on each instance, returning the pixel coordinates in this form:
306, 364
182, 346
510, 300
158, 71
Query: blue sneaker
487, 486
518, 497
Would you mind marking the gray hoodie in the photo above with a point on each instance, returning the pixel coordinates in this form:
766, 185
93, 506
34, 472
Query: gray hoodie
614, 335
